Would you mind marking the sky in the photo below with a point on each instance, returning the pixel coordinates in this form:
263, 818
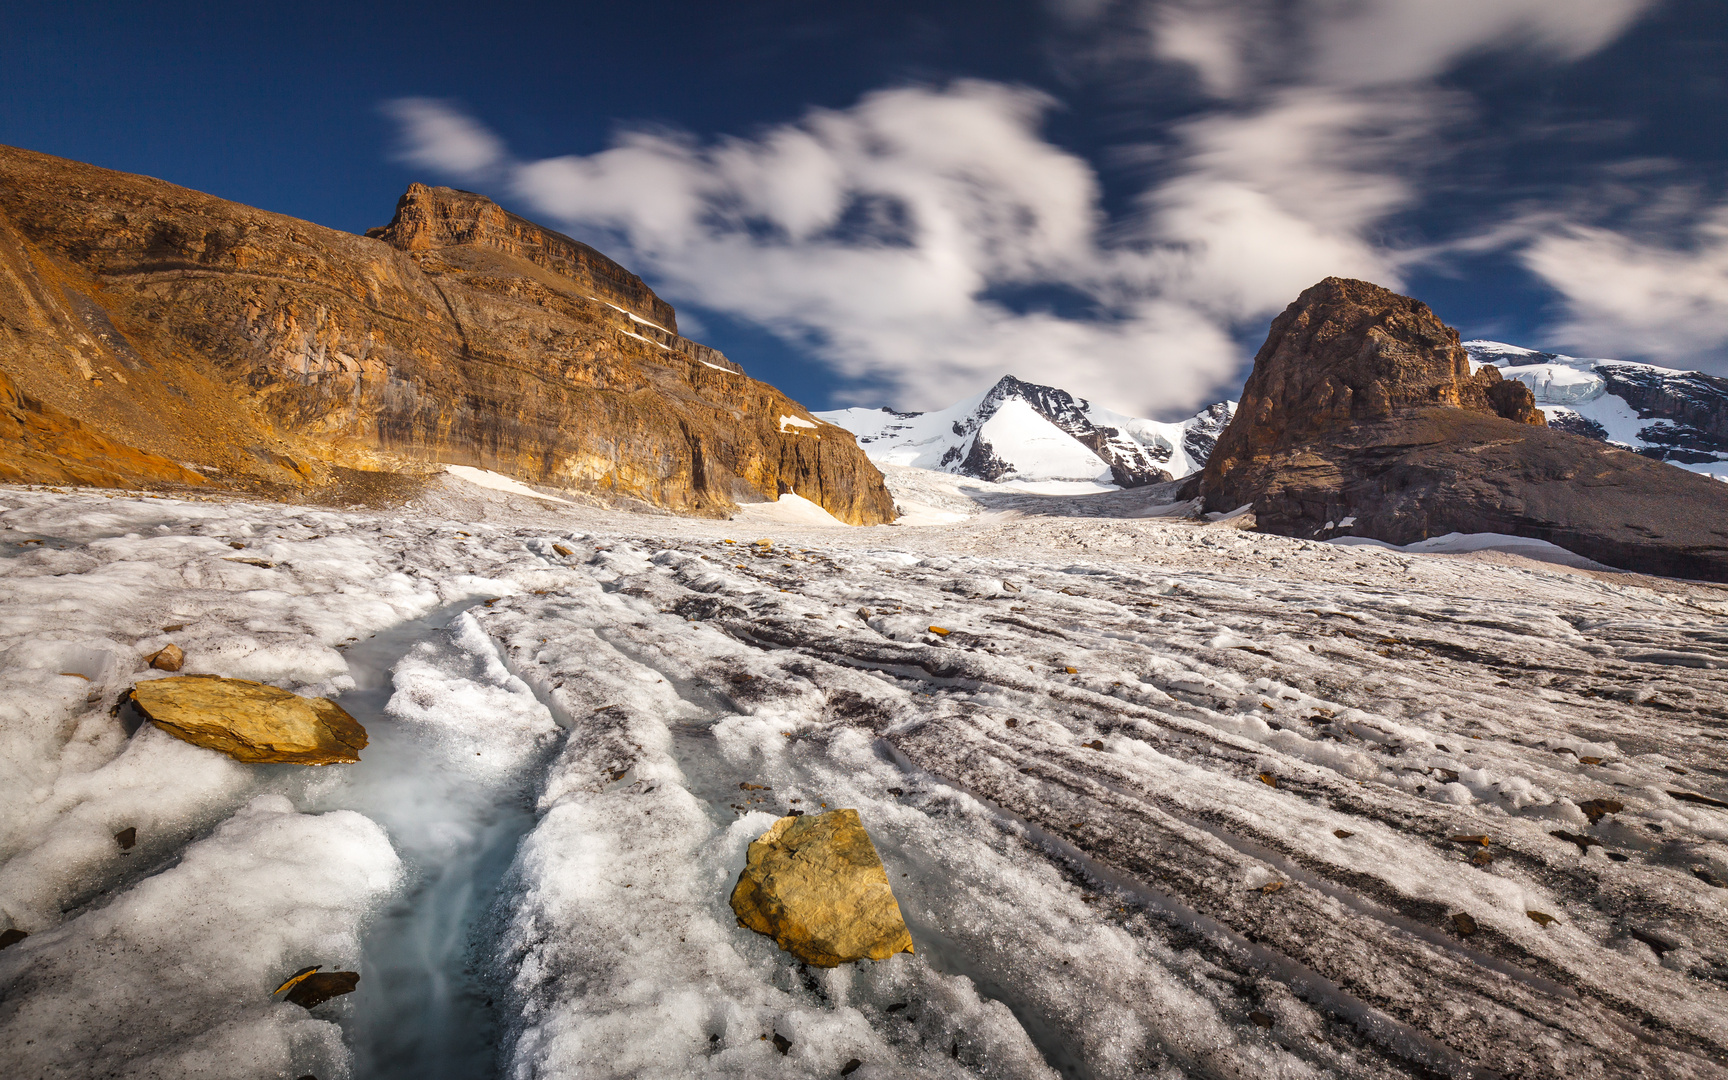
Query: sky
897, 203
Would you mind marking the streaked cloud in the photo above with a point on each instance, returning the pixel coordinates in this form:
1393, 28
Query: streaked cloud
435, 135
929, 238
1634, 297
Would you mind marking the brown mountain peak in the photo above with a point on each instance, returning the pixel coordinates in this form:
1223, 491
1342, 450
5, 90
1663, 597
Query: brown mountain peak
153, 335
1362, 418
1351, 351
430, 219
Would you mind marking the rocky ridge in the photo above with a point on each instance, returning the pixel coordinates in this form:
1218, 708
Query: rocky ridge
1362, 417
195, 338
1680, 417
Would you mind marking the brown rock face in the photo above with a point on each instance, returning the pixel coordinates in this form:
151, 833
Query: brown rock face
41, 444
429, 219
1348, 352
180, 337
817, 887
250, 721
1361, 407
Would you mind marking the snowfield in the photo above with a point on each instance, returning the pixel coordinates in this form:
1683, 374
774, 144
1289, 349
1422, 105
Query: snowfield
1168, 799
1596, 398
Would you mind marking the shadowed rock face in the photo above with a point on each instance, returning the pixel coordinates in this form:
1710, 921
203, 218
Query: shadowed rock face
1361, 407
270, 354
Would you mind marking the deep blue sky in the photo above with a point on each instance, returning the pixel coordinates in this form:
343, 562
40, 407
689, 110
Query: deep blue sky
278, 106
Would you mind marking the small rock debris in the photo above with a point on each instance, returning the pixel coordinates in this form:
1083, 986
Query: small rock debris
314, 989
1585, 843
12, 936
1541, 918
1657, 945
1463, 923
1701, 800
126, 837
781, 1043
1597, 809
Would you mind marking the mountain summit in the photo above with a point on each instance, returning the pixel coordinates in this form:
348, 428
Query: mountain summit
1362, 417
1021, 431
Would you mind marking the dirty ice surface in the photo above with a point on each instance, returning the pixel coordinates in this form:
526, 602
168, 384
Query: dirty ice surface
1168, 799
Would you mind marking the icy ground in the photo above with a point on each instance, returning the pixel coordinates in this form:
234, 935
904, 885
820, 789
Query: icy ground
1166, 800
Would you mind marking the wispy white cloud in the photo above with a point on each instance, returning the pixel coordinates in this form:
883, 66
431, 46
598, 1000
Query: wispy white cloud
1633, 297
1364, 43
435, 135
885, 239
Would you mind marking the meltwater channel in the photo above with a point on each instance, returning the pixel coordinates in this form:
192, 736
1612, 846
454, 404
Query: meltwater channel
425, 1004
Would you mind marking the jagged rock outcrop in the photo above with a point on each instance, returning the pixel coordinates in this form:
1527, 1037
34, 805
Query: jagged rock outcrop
1361, 417
258, 351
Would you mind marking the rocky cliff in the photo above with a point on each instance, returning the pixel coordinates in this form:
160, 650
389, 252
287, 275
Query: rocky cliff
1361, 417
193, 337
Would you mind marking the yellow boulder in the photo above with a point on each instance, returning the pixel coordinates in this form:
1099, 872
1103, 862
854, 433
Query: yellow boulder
251, 722
817, 887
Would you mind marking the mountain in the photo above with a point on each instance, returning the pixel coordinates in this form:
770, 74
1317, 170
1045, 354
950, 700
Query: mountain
1363, 417
1680, 417
1020, 431
150, 334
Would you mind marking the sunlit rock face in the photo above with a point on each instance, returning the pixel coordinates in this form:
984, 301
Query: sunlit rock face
817, 887
1362, 417
264, 352
250, 721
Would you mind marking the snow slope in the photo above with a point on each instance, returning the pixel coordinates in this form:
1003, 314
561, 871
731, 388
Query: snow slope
1680, 417
1170, 799
1022, 432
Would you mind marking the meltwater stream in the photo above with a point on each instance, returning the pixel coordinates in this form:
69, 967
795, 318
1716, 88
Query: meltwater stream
424, 1007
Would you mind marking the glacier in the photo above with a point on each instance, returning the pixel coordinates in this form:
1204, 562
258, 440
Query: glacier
1169, 799
1680, 417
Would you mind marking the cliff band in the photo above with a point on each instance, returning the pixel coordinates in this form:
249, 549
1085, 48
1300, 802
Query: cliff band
150, 334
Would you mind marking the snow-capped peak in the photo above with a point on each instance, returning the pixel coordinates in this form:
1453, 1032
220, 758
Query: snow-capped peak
1021, 431
1680, 417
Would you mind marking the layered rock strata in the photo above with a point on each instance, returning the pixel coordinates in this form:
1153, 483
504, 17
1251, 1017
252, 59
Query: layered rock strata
1361, 417
254, 350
